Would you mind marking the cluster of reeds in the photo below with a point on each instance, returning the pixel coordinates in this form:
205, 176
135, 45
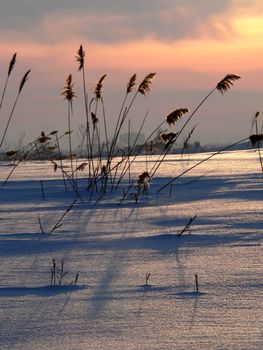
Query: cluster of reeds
105, 165
58, 273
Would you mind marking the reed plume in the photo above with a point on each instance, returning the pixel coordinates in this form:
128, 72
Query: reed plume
143, 181
167, 136
145, 86
131, 84
226, 83
82, 166
99, 87
176, 115
67, 91
69, 95
11, 153
12, 64
80, 57
22, 83
11, 67
43, 138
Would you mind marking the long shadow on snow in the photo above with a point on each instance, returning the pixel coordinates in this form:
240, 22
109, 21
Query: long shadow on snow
42, 244
184, 190
44, 291
213, 187
231, 222
18, 191
162, 243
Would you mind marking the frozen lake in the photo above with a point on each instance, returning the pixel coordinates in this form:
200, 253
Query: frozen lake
113, 246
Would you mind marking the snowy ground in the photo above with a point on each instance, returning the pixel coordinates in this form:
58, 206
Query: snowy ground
113, 246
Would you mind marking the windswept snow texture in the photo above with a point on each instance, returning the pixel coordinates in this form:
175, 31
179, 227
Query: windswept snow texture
112, 246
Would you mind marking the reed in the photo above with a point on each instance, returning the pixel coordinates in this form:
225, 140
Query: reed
69, 95
10, 69
257, 139
200, 162
21, 85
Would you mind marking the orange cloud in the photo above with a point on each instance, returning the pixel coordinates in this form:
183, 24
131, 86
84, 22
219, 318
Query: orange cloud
239, 50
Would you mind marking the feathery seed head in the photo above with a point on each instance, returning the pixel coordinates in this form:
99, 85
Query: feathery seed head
43, 138
67, 91
23, 81
145, 86
80, 57
11, 153
167, 136
226, 83
176, 115
12, 64
143, 181
81, 167
131, 84
99, 87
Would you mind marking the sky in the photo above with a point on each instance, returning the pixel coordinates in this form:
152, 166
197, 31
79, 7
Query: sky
189, 44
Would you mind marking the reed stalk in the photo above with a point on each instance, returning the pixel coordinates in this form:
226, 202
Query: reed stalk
200, 162
11, 67
22, 83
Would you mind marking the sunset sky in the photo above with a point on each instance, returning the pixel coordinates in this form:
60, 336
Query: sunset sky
190, 44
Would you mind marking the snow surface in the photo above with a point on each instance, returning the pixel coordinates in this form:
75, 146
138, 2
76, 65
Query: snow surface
112, 246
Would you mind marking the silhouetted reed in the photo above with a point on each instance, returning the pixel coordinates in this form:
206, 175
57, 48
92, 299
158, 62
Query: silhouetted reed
21, 85
69, 95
